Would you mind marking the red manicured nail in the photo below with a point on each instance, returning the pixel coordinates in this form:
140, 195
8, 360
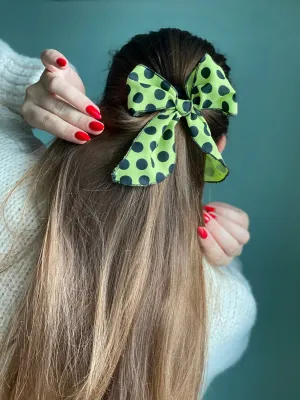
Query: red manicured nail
202, 232
93, 112
206, 218
96, 126
61, 62
213, 215
209, 208
82, 136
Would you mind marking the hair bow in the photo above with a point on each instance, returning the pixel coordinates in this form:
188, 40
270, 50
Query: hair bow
151, 157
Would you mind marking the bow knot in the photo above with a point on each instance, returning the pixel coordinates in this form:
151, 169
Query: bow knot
151, 157
184, 107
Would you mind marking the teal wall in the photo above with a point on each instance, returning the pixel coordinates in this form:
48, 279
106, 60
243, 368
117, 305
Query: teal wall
261, 38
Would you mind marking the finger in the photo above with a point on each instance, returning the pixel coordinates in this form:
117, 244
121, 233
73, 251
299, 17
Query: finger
214, 254
240, 233
230, 212
53, 60
226, 241
55, 105
44, 120
57, 85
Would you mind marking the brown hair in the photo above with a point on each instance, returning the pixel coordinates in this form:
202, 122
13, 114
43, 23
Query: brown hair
116, 306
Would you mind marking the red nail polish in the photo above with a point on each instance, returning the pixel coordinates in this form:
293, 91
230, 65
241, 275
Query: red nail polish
209, 208
202, 232
212, 215
206, 218
93, 112
61, 62
82, 136
96, 126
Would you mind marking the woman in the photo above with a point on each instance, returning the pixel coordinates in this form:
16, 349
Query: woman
106, 291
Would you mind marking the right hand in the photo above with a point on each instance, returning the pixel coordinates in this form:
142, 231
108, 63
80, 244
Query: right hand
57, 102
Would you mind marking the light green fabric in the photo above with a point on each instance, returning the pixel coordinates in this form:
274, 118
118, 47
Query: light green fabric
151, 157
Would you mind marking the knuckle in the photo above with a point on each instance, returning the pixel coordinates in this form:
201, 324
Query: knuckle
82, 121
58, 108
53, 83
233, 249
47, 122
245, 218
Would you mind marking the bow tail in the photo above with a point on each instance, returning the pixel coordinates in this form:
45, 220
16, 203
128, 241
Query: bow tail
151, 156
215, 169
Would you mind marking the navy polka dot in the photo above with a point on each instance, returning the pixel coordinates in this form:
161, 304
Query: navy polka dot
138, 97
174, 147
163, 156
159, 94
137, 147
206, 104
165, 85
225, 106
128, 89
153, 145
144, 180
207, 147
197, 112
220, 75
164, 128
167, 134
162, 116
131, 110
203, 59
209, 171
234, 97
145, 85
206, 131
196, 100
194, 131
124, 164
207, 88
186, 105
150, 107
223, 90
193, 116
175, 118
151, 130
152, 163
134, 76
195, 90
141, 163
205, 72
171, 168
125, 180
148, 73
159, 177
170, 103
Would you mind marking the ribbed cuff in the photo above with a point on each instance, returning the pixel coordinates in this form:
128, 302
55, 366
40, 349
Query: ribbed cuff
17, 72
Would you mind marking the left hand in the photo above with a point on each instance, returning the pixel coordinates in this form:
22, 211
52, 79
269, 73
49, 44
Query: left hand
226, 230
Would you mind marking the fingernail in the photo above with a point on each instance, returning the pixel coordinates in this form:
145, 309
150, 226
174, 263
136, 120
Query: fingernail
61, 62
209, 208
202, 232
82, 136
213, 215
93, 112
206, 218
96, 126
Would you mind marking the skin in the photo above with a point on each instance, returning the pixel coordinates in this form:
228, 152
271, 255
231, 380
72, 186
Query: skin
57, 104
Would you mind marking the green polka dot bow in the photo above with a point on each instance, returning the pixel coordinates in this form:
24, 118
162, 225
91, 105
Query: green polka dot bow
151, 157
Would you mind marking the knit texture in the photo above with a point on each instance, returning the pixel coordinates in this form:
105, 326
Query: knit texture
231, 305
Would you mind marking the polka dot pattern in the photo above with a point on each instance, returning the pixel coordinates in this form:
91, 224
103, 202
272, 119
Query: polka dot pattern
151, 157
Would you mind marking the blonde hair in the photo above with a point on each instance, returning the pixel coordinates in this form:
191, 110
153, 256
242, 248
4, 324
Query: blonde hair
116, 308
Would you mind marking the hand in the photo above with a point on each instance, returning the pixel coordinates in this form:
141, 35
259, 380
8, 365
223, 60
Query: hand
57, 102
225, 233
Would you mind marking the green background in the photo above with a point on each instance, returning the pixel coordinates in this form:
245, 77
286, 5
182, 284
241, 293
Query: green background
261, 39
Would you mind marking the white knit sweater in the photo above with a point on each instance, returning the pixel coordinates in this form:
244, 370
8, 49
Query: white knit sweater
231, 306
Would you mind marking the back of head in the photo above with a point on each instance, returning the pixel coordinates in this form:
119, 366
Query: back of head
116, 308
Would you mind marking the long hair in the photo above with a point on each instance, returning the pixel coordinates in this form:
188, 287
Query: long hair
116, 305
